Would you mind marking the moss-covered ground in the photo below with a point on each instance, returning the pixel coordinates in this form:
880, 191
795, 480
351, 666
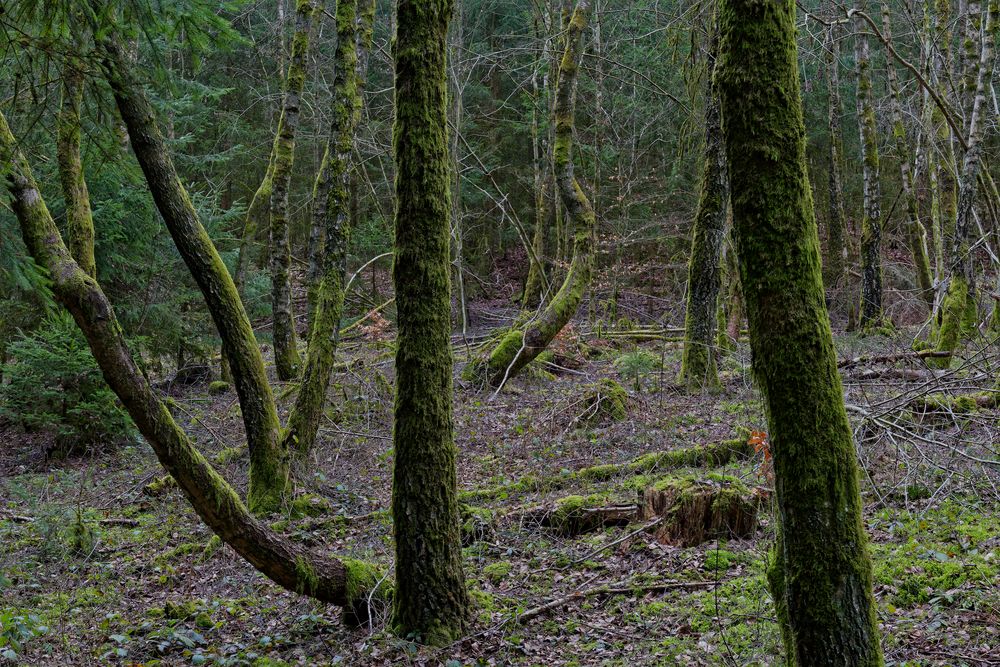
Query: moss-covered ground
95, 571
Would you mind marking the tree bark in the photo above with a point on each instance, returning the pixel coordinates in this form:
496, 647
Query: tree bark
525, 342
836, 248
343, 582
79, 219
286, 353
269, 466
820, 573
354, 36
431, 600
698, 368
871, 218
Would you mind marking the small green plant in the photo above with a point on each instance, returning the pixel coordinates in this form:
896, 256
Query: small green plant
54, 384
16, 630
636, 364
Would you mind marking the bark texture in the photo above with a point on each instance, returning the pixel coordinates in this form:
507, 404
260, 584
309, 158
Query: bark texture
698, 367
343, 582
354, 35
523, 343
431, 600
821, 573
79, 219
269, 473
836, 248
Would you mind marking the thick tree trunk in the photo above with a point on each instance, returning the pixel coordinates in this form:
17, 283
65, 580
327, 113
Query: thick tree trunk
915, 233
525, 342
79, 220
820, 575
354, 35
342, 582
871, 218
286, 353
959, 307
269, 472
431, 600
698, 368
836, 248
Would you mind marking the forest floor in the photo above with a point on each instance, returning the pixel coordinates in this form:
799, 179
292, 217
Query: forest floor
94, 570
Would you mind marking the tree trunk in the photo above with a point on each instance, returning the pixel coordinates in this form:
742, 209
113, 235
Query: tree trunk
946, 168
698, 369
959, 307
820, 574
269, 473
871, 218
354, 36
916, 235
525, 342
343, 582
431, 600
457, 108
836, 248
79, 220
286, 353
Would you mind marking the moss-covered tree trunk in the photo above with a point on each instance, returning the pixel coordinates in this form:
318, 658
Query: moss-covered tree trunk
821, 573
457, 111
526, 341
698, 368
871, 218
945, 164
958, 310
836, 247
431, 601
354, 35
269, 472
79, 219
344, 582
916, 235
286, 353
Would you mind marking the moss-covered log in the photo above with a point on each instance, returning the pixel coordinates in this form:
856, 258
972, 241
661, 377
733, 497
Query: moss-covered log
698, 368
527, 340
344, 582
821, 575
431, 600
575, 515
269, 471
354, 35
79, 219
871, 316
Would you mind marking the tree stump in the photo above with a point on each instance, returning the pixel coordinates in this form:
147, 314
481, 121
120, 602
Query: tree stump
695, 511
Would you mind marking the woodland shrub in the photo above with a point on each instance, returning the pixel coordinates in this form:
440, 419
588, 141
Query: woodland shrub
52, 383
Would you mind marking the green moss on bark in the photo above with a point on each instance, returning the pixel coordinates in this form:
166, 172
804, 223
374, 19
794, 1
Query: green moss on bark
824, 593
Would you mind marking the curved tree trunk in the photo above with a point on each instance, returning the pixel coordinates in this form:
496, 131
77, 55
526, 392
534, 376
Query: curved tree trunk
698, 369
342, 582
354, 35
525, 342
820, 574
286, 353
431, 601
958, 309
871, 218
916, 235
79, 219
269, 473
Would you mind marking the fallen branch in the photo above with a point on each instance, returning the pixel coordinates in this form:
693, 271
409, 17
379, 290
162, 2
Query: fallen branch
889, 358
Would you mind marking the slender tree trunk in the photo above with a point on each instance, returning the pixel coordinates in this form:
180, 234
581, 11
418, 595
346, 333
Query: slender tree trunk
79, 220
698, 369
871, 219
959, 307
457, 108
820, 573
836, 249
523, 343
343, 582
354, 36
269, 465
946, 164
286, 353
915, 232
431, 601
